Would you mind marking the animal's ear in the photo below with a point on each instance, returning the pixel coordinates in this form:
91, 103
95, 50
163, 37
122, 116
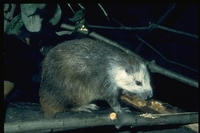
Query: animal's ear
129, 69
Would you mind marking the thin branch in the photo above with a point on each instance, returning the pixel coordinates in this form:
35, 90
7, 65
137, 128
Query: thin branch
90, 120
69, 5
117, 21
118, 28
151, 25
81, 6
172, 62
166, 14
105, 13
163, 17
151, 47
152, 29
153, 68
171, 30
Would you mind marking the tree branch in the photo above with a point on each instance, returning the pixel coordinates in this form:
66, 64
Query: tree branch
104, 12
172, 30
158, 69
118, 28
151, 26
172, 62
164, 16
69, 5
89, 120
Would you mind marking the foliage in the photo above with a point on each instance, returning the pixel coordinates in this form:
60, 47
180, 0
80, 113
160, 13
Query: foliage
30, 17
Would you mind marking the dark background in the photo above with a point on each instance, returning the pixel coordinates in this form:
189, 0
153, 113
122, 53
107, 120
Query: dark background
22, 62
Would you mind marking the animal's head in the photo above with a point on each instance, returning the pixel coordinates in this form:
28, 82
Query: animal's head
135, 80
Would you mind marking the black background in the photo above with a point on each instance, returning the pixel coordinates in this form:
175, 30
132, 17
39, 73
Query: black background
22, 62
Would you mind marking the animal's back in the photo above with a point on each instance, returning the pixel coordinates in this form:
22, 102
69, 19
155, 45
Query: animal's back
68, 71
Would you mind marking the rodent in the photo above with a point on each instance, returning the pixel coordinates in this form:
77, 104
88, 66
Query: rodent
77, 72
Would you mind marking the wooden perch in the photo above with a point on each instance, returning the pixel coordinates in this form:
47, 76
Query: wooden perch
70, 120
89, 120
154, 106
153, 67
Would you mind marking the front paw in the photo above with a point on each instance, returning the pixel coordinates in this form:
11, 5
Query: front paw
87, 108
126, 109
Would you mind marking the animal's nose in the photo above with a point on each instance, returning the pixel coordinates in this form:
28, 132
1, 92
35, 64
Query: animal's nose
149, 95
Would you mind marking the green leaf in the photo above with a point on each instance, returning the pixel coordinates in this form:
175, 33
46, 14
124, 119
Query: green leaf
55, 19
6, 7
28, 9
41, 6
15, 24
78, 15
32, 23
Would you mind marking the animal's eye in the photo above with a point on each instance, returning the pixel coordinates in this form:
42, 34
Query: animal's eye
138, 83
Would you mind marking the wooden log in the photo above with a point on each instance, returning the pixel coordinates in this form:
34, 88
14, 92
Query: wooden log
78, 120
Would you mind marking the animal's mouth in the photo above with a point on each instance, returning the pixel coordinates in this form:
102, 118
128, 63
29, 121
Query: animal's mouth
123, 92
143, 95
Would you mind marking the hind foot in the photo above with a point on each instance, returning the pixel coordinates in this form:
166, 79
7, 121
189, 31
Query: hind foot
87, 108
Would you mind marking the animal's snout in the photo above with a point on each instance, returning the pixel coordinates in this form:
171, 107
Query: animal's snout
146, 95
150, 95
